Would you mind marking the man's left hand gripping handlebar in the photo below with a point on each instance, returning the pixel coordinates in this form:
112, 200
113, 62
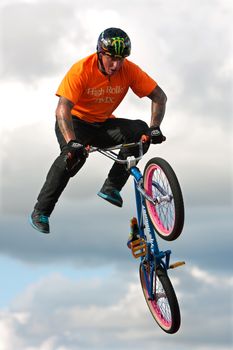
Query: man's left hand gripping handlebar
154, 135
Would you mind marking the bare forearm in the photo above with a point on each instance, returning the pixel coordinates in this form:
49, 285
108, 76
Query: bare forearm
66, 126
157, 113
64, 119
158, 106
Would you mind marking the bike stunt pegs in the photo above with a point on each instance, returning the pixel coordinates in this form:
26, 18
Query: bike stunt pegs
177, 264
135, 243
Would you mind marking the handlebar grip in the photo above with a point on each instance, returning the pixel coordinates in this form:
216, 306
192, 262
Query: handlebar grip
145, 138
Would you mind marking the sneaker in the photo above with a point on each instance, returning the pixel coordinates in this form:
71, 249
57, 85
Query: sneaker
39, 221
111, 195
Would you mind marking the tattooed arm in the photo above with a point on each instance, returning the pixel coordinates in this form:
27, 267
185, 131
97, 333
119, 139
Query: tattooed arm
158, 106
64, 118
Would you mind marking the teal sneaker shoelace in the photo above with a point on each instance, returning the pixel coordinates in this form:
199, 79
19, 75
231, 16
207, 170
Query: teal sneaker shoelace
44, 219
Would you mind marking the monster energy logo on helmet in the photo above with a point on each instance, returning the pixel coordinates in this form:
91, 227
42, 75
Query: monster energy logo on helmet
114, 42
119, 45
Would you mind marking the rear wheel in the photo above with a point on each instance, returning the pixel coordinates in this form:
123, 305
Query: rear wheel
161, 183
164, 306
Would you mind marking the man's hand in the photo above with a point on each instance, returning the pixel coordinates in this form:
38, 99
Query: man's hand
76, 157
156, 135
76, 149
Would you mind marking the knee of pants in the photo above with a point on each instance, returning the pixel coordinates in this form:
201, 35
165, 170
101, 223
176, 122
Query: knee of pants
142, 125
64, 167
140, 128
75, 166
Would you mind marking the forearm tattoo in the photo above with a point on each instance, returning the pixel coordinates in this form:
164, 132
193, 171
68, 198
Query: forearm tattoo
157, 113
65, 125
158, 106
64, 118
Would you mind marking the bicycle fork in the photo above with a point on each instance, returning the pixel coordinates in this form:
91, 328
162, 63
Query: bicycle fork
163, 197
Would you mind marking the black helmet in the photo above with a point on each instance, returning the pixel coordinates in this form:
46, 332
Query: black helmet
114, 42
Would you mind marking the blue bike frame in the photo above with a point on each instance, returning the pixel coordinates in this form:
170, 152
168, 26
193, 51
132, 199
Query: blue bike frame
154, 257
157, 288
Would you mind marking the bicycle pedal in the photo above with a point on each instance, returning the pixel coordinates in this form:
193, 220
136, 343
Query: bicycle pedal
176, 264
138, 248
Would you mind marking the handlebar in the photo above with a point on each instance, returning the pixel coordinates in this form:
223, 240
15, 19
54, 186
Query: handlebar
144, 139
108, 152
122, 145
129, 161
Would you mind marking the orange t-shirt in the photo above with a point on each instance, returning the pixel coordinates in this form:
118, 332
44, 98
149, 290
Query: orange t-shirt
95, 95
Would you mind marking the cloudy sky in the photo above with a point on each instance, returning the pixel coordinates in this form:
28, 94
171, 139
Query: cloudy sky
78, 288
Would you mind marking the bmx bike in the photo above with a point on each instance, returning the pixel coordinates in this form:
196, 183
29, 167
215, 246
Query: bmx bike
160, 211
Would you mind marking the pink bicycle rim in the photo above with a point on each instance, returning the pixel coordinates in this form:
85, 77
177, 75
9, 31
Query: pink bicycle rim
159, 224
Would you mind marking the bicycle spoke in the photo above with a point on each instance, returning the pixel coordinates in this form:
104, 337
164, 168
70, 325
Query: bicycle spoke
165, 209
162, 302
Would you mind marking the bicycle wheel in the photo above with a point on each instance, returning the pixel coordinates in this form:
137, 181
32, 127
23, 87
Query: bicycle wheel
167, 215
164, 308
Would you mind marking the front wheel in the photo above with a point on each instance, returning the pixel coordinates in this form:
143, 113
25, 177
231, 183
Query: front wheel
164, 306
167, 211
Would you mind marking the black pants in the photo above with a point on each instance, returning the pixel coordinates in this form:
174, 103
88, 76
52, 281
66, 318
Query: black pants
111, 132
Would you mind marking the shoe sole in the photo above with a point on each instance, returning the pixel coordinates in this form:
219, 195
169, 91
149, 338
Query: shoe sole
109, 199
35, 227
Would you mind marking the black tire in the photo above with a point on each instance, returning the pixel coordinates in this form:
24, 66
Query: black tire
165, 308
167, 217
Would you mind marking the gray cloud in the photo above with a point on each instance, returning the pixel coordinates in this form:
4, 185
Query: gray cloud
32, 35
81, 314
199, 49
92, 233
